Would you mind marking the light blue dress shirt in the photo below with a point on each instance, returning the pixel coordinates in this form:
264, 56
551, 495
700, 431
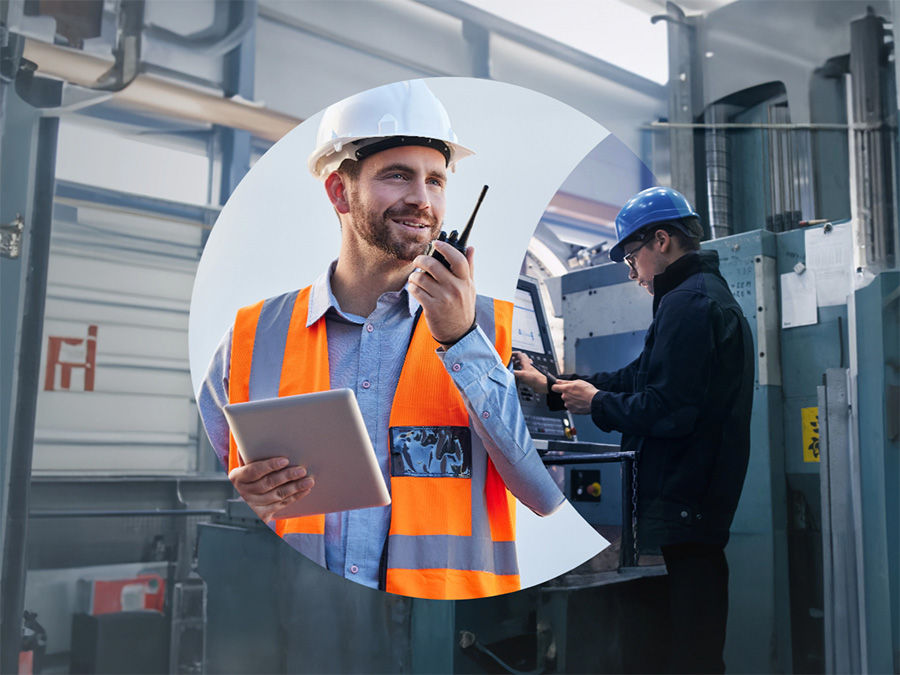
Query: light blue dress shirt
366, 354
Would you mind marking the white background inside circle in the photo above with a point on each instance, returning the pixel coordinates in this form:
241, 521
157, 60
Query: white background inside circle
278, 232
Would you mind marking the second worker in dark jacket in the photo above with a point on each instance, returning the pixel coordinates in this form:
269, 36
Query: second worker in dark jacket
684, 406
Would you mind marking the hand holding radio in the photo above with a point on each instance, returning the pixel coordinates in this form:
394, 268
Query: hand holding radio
446, 291
444, 283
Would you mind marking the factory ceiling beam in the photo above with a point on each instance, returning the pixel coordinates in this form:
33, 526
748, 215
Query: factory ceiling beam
160, 95
548, 46
290, 20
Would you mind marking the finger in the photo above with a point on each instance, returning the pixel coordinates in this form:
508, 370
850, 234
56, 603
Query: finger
290, 499
273, 481
287, 491
470, 258
269, 511
420, 296
253, 471
431, 266
425, 282
459, 263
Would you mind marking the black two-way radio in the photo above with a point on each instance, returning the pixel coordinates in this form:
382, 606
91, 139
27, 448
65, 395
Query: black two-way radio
456, 241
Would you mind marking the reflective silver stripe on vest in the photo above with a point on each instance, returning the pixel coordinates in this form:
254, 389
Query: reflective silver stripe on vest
268, 346
310, 545
481, 526
484, 316
265, 378
447, 551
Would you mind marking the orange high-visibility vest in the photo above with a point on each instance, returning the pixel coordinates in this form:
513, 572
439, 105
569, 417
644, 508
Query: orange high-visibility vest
450, 537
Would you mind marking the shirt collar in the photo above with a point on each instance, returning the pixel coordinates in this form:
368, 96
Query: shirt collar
321, 299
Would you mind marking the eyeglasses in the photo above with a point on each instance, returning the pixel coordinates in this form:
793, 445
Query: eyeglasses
630, 256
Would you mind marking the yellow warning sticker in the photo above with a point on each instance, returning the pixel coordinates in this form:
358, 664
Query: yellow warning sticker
810, 420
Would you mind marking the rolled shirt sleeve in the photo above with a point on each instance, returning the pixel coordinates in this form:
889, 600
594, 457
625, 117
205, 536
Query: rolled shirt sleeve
212, 398
489, 391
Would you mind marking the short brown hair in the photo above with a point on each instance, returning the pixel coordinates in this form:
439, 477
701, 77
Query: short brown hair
686, 242
350, 168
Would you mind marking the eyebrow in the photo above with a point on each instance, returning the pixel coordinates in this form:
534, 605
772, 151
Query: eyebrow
399, 166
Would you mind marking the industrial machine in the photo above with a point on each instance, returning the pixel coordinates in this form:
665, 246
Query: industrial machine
531, 335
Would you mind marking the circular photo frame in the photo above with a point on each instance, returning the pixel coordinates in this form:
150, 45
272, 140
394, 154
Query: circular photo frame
278, 233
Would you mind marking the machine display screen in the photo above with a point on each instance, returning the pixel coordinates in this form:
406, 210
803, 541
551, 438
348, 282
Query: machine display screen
526, 334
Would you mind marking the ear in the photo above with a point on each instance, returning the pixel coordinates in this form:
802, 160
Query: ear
664, 240
336, 189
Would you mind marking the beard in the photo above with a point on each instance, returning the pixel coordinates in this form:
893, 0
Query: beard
376, 229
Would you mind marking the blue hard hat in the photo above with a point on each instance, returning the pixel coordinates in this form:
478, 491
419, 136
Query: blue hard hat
653, 205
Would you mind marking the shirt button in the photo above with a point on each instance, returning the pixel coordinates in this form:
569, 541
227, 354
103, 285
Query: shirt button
370, 327
456, 367
684, 514
485, 415
366, 384
354, 569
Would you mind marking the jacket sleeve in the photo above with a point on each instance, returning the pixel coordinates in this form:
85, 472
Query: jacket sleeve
621, 381
489, 391
213, 396
675, 384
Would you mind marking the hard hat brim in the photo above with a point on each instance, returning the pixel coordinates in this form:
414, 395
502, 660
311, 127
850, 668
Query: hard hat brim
326, 159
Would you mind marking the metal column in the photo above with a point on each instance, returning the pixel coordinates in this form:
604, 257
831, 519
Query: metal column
839, 475
685, 85
27, 171
237, 81
873, 147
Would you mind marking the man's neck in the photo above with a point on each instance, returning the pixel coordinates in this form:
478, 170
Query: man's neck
358, 281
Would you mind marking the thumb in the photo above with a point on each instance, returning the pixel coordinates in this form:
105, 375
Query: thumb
470, 256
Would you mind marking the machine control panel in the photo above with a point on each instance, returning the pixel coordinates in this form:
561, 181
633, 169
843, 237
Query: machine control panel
531, 335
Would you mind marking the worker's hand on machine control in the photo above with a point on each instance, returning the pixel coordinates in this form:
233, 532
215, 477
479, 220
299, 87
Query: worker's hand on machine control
527, 374
268, 485
447, 296
576, 395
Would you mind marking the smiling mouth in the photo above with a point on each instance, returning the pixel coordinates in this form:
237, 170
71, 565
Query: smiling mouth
412, 224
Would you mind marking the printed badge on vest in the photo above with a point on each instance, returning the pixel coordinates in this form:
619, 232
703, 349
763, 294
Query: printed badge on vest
431, 451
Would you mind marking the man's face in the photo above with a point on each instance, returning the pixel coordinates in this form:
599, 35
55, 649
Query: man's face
397, 202
645, 260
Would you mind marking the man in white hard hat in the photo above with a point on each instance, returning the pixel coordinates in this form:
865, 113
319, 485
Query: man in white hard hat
420, 350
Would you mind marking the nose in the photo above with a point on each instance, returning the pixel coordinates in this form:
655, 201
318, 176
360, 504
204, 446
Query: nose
632, 273
417, 194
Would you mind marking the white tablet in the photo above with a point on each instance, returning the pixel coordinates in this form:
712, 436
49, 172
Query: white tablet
325, 433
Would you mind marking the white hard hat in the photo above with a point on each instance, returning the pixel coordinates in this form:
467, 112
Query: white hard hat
402, 113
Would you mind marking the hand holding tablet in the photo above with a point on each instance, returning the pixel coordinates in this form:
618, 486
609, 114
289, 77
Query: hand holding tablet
291, 443
269, 485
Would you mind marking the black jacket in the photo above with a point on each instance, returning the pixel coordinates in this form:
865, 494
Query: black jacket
684, 404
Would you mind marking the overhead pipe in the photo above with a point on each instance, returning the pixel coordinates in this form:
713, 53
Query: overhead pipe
152, 93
